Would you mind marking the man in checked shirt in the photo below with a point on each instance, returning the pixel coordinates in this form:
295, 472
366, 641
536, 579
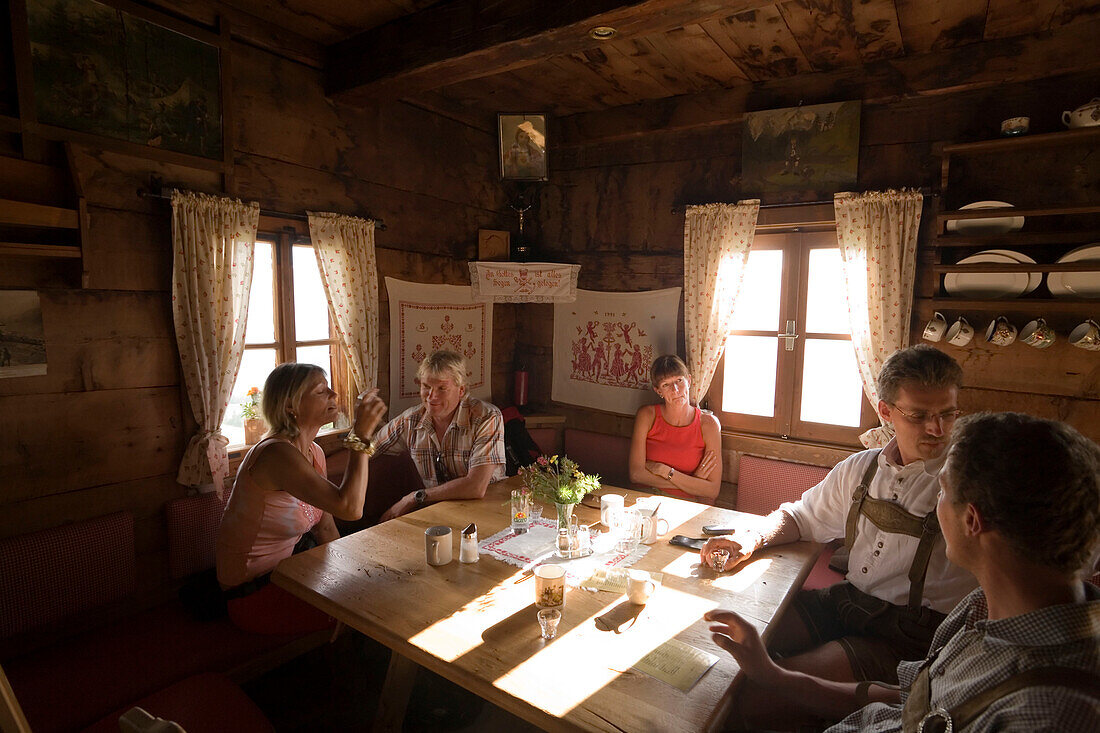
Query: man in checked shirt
1019, 507
456, 441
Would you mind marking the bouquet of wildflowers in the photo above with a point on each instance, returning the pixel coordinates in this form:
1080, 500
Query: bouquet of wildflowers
557, 479
250, 408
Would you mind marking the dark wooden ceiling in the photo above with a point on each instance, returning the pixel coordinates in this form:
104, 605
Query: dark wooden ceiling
536, 54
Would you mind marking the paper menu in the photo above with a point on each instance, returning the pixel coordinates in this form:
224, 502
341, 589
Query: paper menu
612, 579
676, 663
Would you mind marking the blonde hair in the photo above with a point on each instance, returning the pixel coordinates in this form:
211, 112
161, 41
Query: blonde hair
444, 364
283, 393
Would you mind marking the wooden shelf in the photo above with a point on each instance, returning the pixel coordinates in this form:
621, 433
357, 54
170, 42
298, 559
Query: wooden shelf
21, 213
1016, 239
1036, 305
1008, 213
39, 250
1086, 266
1046, 140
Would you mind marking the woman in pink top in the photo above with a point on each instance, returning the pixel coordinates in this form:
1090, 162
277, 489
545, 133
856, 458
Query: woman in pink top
282, 492
676, 446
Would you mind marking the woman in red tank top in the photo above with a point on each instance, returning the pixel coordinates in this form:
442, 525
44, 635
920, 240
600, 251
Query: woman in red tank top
676, 447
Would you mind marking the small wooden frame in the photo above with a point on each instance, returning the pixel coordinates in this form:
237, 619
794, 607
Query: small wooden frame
493, 245
522, 138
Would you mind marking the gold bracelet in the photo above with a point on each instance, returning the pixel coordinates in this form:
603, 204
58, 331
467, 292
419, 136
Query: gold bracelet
355, 443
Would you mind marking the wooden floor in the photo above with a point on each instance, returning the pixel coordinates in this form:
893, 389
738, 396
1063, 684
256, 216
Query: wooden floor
336, 688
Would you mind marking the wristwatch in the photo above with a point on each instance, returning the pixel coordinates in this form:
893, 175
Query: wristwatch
671, 471
420, 497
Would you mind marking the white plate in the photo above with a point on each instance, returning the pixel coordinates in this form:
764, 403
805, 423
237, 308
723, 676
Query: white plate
986, 226
1077, 284
1034, 278
986, 285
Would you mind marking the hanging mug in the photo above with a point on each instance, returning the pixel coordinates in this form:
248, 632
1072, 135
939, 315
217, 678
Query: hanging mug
1038, 334
1086, 336
935, 328
1000, 332
960, 332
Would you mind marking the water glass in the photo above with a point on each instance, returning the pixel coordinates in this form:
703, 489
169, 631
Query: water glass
718, 559
521, 511
626, 526
548, 622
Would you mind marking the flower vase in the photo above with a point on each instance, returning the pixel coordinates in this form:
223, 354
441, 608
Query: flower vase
254, 429
565, 515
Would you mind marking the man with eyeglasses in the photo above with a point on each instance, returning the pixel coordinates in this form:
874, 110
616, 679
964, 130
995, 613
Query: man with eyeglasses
882, 502
455, 440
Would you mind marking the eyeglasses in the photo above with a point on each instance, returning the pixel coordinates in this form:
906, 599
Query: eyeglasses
442, 475
923, 418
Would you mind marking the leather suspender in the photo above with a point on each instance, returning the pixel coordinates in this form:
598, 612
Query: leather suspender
889, 517
918, 715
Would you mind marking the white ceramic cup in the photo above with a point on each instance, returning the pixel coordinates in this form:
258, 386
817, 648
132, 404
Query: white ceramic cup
437, 545
960, 332
1086, 336
1000, 332
549, 586
639, 586
652, 527
1016, 126
1038, 334
609, 502
935, 328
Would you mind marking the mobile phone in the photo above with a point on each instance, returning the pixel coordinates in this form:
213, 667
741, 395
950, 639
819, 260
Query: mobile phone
717, 529
692, 543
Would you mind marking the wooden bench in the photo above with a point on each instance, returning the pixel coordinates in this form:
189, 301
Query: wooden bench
63, 572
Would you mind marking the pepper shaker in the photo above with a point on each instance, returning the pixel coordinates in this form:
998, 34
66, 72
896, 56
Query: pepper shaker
467, 551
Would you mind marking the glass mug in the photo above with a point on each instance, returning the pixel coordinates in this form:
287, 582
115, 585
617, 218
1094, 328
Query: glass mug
626, 527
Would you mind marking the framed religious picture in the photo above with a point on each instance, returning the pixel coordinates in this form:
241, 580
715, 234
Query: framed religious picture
522, 147
801, 153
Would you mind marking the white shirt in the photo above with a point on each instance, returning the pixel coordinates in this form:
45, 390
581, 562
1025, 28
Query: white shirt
879, 562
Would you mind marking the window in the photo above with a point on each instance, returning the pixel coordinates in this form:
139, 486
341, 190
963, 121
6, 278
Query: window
788, 367
288, 320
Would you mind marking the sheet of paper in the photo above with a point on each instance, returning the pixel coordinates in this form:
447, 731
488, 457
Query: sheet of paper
676, 663
612, 579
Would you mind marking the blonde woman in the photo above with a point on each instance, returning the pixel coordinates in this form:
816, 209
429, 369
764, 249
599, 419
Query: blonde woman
676, 447
282, 495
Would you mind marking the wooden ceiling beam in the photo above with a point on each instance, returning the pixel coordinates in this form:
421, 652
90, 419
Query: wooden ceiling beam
465, 39
1064, 50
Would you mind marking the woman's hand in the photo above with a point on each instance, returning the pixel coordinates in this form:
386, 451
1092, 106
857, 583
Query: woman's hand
739, 550
658, 469
706, 466
738, 637
369, 409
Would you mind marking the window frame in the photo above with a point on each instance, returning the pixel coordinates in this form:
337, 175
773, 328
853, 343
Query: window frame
796, 243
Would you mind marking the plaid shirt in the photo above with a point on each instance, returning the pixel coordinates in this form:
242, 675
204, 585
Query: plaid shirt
475, 437
977, 654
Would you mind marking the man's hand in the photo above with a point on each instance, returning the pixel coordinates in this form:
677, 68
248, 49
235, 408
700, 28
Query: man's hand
738, 637
403, 506
740, 549
706, 466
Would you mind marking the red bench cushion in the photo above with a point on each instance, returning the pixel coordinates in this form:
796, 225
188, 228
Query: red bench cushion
607, 455
765, 483
205, 703
192, 533
75, 683
60, 571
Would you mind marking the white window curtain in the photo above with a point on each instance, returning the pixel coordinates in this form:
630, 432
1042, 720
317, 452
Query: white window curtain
877, 234
213, 241
717, 240
349, 270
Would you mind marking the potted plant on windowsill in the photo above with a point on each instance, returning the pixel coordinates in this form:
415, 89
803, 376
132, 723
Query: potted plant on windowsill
254, 425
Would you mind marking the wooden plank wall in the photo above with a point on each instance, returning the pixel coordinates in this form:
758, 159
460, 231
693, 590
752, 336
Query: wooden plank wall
104, 430
609, 206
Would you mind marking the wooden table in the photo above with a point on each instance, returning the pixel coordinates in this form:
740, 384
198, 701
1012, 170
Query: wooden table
475, 623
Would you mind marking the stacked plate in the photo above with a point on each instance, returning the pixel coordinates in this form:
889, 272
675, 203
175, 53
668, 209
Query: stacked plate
986, 226
1077, 284
991, 285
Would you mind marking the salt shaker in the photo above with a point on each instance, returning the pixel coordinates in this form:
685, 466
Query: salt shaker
467, 551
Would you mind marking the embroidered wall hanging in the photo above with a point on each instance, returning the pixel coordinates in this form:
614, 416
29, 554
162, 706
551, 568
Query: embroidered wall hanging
524, 282
426, 317
604, 344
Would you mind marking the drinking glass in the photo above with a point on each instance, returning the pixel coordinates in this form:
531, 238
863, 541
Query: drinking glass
521, 511
548, 622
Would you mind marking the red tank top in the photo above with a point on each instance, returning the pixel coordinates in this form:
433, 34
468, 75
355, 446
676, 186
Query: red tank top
679, 447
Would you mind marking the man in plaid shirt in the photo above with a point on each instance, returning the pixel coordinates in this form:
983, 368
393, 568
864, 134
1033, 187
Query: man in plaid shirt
456, 441
1019, 506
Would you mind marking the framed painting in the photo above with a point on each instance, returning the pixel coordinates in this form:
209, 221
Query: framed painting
22, 338
522, 147
107, 72
801, 153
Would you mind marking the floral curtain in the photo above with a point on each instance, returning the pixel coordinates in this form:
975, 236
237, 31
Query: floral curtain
349, 270
717, 240
213, 240
877, 233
